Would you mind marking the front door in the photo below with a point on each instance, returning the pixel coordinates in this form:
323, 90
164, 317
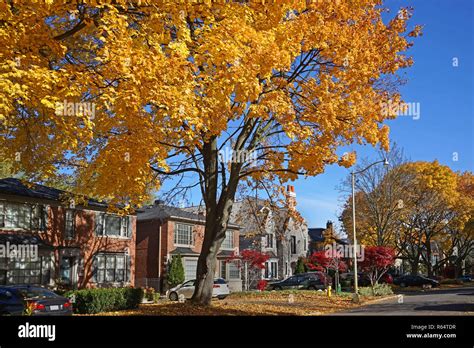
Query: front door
69, 271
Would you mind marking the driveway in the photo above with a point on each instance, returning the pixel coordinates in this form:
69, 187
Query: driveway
434, 302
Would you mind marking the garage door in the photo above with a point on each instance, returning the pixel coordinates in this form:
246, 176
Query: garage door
190, 266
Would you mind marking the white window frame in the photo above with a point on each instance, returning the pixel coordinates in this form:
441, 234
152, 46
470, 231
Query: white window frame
269, 237
73, 221
229, 236
268, 265
229, 271
176, 238
101, 219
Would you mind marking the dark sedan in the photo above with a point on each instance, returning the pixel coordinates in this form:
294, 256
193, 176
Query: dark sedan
33, 300
415, 280
309, 281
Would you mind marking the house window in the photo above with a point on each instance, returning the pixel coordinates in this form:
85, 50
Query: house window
112, 225
15, 215
25, 271
40, 217
99, 224
269, 240
112, 268
305, 244
229, 270
234, 270
183, 235
69, 224
271, 269
223, 269
228, 242
24, 216
293, 244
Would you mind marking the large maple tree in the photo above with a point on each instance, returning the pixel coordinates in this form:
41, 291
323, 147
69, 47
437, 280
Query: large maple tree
117, 92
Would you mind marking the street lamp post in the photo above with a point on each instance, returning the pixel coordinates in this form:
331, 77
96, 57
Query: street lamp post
354, 236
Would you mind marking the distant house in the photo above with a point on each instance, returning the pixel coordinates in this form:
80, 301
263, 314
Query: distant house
273, 231
319, 237
164, 231
77, 245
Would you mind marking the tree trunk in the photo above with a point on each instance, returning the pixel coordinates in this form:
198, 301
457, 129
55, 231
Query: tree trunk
218, 209
414, 268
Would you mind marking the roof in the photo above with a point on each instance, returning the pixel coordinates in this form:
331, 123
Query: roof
316, 234
165, 212
13, 186
184, 251
19, 239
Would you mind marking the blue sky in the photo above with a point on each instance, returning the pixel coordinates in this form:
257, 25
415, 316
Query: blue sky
444, 93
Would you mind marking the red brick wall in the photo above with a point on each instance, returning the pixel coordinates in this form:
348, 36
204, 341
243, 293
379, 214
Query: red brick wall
84, 239
147, 249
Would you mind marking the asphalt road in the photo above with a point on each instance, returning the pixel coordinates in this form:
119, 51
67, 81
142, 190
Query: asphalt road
434, 302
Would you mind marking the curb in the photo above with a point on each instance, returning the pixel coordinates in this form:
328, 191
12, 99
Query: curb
380, 299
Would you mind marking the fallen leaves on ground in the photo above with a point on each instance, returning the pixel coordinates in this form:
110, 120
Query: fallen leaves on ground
250, 304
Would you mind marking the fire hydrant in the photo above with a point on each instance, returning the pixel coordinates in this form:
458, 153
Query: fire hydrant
329, 291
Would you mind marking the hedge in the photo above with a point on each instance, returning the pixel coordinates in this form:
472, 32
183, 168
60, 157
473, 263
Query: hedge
377, 290
92, 301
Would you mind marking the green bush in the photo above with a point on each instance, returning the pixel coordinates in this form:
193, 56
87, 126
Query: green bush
377, 290
92, 301
176, 271
300, 267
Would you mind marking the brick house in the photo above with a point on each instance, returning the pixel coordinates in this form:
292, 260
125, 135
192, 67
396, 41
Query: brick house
164, 231
77, 245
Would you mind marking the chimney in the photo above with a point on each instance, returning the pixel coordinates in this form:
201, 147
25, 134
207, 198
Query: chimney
290, 191
290, 196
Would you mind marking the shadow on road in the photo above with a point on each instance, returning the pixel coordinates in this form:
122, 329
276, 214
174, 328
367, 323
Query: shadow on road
452, 307
461, 291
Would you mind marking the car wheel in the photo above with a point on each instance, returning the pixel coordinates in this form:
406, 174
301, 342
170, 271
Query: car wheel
221, 297
311, 287
277, 288
173, 296
403, 285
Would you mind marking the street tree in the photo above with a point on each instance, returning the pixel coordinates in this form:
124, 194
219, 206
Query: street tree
377, 261
123, 94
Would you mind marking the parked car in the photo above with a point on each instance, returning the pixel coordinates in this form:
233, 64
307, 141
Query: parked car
220, 290
465, 278
415, 280
307, 281
14, 300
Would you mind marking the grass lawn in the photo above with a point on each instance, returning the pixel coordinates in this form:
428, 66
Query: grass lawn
291, 302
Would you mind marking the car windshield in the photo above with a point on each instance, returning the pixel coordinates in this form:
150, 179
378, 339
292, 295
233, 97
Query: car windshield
219, 281
35, 293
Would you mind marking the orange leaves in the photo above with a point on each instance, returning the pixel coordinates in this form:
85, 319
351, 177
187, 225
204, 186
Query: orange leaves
167, 76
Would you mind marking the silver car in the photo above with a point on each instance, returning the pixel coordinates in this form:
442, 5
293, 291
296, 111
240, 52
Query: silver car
220, 290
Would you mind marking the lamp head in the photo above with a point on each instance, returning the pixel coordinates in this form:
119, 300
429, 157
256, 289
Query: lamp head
385, 162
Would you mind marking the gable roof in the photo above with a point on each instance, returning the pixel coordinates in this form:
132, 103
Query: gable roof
316, 234
166, 212
13, 186
163, 212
